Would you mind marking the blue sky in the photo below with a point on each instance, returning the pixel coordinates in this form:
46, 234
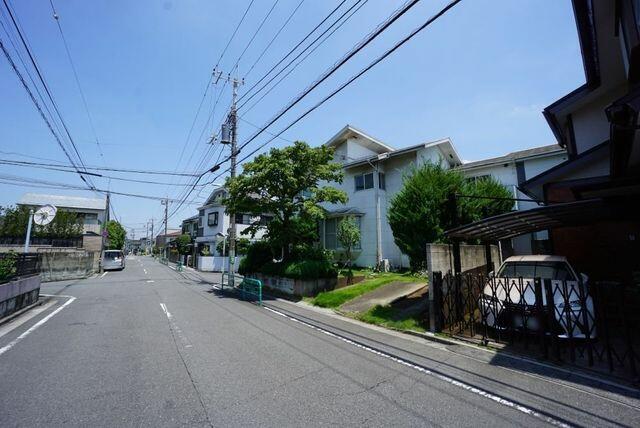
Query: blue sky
480, 75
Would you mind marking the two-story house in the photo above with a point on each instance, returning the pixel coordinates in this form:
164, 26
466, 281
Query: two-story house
598, 125
213, 222
92, 211
511, 170
373, 173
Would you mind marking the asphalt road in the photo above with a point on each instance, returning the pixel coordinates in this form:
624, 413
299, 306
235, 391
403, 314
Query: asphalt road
152, 347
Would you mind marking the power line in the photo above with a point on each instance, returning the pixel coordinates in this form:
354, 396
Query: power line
361, 45
379, 59
47, 91
255, 34
37, 105
293, 49
97, 168
66, 169
313, 42
292, 69
56, 17
31, 182
273, 39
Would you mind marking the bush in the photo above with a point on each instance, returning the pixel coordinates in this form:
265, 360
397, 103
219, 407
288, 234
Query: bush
310, 269
258, 254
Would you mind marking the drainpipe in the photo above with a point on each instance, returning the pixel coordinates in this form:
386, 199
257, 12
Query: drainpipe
376, 184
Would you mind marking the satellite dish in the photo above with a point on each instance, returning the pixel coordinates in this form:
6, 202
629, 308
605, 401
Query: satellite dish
44, 215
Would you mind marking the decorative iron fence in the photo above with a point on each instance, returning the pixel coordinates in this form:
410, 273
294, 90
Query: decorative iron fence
75, 241
15, 265
595, 325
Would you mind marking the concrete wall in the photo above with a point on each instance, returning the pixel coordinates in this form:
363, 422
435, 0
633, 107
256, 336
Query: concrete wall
18, 293
297, 287
472, 257
215, 263
64, 265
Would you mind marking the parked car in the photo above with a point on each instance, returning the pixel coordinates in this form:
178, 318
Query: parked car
508, 300
113, 260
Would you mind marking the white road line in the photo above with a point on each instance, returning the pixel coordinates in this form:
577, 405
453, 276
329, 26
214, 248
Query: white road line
423, 370
145, 271
150, 280
17, 322
102, 276
166, 312
35, 326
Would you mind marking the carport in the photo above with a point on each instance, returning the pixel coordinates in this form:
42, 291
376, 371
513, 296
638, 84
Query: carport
546, 217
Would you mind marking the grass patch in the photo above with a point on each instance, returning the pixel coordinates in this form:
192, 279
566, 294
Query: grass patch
335, 298
390, 317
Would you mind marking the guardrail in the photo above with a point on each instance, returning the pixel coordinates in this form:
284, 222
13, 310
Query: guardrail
248, 287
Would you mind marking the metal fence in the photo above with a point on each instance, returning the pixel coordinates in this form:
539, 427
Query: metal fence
596, 325
15, 265
249, 288
36, 240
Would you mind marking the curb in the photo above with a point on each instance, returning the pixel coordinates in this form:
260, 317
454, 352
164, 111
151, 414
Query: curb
16, 314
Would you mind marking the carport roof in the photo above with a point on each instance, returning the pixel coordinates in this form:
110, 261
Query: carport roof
517, 223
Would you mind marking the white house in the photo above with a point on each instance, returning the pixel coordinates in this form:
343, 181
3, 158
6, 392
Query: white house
213, 222
373, 174
511, 171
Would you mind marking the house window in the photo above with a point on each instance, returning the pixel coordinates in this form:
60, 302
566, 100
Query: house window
382, 184
265, 219
212, 219
200, 220
243, 218
364, 181
331, 233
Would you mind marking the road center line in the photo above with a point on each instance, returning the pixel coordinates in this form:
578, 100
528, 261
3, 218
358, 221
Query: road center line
35, 326
470, 388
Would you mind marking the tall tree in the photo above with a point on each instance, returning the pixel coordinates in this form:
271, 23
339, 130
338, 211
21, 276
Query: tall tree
423, 210
116, 235
288, 184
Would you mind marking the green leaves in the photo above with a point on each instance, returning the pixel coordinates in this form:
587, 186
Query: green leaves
432, 201
116, 235
285, 183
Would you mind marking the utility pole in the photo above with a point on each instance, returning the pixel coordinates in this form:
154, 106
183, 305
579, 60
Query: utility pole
152, 237
229, 135
166, 209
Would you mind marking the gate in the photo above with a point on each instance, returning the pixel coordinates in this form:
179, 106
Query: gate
593, 325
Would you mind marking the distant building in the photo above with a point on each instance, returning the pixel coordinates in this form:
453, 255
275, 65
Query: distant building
511, 170
213, 222
93, 212
163, 240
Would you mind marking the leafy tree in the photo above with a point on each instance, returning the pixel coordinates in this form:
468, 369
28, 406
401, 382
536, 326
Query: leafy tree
242, 245
286, 183
14, 220
427, 206
348, 235
116, 235
183, 243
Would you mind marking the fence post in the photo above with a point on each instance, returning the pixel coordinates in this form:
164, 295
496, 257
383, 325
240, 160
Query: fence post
435, 311
551, 316
537, 283
585, 320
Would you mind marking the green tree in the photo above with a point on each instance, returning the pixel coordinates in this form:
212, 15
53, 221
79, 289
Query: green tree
242, 245
286, 183
348, 235
429, 204
183, 242
116, 235
14, 220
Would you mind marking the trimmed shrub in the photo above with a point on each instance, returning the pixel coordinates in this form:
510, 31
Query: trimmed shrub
258, 254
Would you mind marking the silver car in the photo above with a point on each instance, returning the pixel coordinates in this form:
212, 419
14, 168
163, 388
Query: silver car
113, 260
509, 301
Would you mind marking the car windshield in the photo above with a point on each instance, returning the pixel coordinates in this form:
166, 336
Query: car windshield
544, 270
110, 255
